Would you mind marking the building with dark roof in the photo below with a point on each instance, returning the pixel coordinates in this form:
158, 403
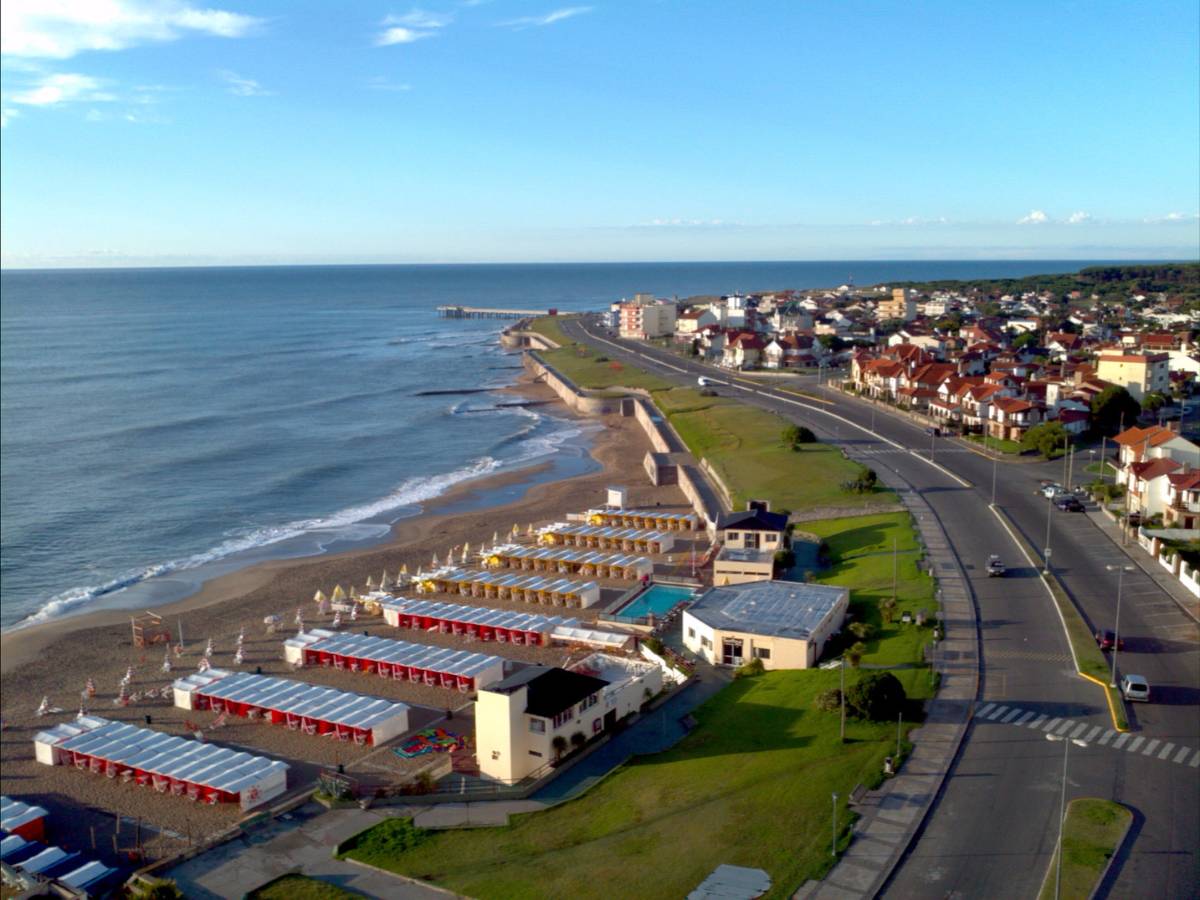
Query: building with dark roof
753, 529
518, 718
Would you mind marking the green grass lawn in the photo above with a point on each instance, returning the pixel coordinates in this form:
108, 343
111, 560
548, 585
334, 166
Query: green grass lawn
550, 327
1001, 444
862, 560
750, 786
744, 445
300, 887
1090, 836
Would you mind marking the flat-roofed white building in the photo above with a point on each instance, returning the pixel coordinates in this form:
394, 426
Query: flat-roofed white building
783, 623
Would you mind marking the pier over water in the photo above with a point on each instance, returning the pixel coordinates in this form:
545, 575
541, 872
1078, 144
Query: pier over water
481, 312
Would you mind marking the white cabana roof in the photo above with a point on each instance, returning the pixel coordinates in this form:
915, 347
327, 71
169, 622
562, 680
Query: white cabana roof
609, 532
574, 557
565, 586
592, 637
478, 615
300, 699
14, 814
387, 650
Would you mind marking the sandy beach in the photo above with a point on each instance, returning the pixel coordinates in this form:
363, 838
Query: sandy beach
56, 659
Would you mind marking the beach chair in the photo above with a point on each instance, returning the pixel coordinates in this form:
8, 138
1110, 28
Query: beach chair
193, 792
360, 738
178, 788
309, 727
162, 783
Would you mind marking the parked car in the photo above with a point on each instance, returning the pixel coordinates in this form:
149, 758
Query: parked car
933, 431
1136, 688
995, 567
1051, 490
1106, 639
1068, 503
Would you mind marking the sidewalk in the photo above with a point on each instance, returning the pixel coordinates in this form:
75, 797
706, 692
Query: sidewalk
891, 815
1160, 576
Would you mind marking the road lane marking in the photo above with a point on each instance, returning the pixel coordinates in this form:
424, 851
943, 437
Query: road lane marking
1025, 718
1037, 723
1012, 715
1065, 727
999, 712
1166, 751
1078, 731
1182, 754
1195, 760
1049, 725
1092, 734
1121, 740
986, 709
1135, 743
1149, 748
1108, 736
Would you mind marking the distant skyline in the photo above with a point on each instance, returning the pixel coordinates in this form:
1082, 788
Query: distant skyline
162, 132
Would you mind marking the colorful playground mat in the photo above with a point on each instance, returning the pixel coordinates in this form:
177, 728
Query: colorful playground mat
430, 740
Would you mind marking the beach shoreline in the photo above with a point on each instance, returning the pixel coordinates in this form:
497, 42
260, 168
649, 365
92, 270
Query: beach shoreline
20, 646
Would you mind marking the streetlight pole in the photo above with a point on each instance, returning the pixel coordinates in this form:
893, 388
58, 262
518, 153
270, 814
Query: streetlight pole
1121, 570
1049, 511
843, 699
994, 458
1062, 808
833, 844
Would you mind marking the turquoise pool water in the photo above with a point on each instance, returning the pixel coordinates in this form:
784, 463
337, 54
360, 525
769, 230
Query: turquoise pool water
658, 599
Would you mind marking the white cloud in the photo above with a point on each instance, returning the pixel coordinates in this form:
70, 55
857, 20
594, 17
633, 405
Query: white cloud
6, 114
1078, 218
1035, 217
400, 35
59, 29
244, 87
419, 18
62, 87
383, 83
558, 15
688, 223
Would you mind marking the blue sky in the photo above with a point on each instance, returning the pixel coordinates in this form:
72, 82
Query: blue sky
142, 132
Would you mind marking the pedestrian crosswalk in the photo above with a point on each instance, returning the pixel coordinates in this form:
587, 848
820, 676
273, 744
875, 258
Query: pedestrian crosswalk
1154, 748
1029, 655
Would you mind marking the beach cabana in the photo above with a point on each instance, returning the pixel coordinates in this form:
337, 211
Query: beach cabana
92, 878
592, 637
460, 670
367, 721
473, 622
602, 537
22, 819
502, 585
656, 519
170, 764
567, 561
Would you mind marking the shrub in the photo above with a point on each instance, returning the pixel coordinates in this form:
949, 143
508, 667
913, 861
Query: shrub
828, 701
785, 559
654, 645
855, 652
862, 630
750, 669
158, 889
578, 740
863, 483
877, 696
388, 839
795, 435
887, 609
560, 746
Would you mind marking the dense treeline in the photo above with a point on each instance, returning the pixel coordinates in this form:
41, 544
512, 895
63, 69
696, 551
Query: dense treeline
1111, 283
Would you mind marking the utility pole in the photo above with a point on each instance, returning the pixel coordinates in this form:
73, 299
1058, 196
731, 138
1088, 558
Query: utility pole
1049, 512
994, 480
843, 699
895, 568
833, 845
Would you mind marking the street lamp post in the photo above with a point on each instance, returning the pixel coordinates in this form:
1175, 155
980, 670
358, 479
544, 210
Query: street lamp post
1049, 511
833, 844
1121, 570
994, 458
1062, 808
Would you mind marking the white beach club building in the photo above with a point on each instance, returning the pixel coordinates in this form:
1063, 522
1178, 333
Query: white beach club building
783, 623
460, 670
175, 765
368, 721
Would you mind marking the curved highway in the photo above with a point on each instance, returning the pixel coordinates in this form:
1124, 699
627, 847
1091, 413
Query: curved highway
993, 827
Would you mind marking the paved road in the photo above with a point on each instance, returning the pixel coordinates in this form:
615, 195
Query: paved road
994, 827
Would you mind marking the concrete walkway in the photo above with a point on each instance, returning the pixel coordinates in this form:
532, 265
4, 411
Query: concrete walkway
891, 815
304, 843
1144, 561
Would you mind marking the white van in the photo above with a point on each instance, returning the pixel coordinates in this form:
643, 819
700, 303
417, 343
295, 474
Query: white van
703, 382
1135, 688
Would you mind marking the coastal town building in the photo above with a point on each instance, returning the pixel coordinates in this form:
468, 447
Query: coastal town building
784, 624
1139, 373
645, 317
900, 306
1183, 500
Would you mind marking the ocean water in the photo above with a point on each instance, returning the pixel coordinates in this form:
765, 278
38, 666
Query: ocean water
159, 427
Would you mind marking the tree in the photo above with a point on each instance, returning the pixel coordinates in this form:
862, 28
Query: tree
828, 701
578, 740
855, 653
560, 746
1111, 407
862, 630
878, 696
1153, 402
1021, 341
887, 609
795, 435
1045, 438
863, 483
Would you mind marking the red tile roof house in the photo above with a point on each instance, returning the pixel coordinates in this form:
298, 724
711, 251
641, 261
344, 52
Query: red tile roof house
1009, 418
789, 351
743, 351
1062, 344
1147, 485
1075, 421
977, 404
1137, 444
1183, 499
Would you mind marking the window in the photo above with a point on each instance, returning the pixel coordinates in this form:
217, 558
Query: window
495, 754
534, 753
537, 726
565, 716
706, 642
762, 652
691, 632
731, 535
597, 724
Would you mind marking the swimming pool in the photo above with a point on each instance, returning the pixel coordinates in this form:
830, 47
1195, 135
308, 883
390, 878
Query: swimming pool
659, 599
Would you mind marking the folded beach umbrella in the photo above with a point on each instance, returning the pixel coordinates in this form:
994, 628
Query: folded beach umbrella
435, 562
385, 581
166, 666
466, 551
319, 597
338, 593
370, 583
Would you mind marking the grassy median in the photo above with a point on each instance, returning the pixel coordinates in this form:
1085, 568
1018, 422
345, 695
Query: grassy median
1092, 833
750, 786
300, 887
